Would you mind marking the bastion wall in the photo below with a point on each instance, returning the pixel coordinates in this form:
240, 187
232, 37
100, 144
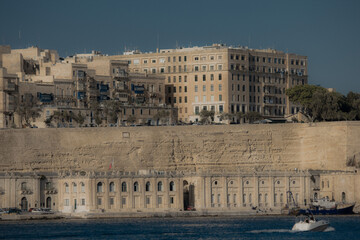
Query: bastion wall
244, 148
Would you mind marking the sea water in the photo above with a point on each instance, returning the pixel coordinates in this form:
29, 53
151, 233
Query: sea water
267, 227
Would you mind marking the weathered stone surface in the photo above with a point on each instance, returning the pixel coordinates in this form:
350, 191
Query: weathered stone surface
325, 146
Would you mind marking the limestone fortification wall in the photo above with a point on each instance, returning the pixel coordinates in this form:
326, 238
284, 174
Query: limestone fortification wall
323, 146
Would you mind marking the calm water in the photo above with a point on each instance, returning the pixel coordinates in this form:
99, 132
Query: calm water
178, 228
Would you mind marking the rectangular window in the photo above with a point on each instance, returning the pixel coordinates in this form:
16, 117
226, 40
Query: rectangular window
196, 68
171, 200
220, 87
159, 200
197, 110
123, 201
204, 98
185, 99
83, 201
220, 77
196, 78
204, 77
196, 99
185, 89
212, 87
196, 88
111, 201
204, 88
147, 200
220, 97
212, 77
99, 201
67, 202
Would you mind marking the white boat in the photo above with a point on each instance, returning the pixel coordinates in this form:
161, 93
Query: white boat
310, 224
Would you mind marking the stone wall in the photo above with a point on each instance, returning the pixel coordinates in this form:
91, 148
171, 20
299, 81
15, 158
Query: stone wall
245, 148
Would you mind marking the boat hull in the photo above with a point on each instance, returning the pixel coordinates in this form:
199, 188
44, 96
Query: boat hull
334, 211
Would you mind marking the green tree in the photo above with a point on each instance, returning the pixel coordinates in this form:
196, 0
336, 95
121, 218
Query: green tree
28, 109
252, 116
111, 110
131, 119
206, 116
304, 95
162, 115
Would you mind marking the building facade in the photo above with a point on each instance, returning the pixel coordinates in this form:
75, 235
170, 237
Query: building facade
152, 191
224, 79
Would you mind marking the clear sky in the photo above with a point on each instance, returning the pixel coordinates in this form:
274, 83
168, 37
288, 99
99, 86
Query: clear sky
326, 31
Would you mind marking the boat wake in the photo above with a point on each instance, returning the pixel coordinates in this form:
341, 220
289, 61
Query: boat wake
271, 231
329, 229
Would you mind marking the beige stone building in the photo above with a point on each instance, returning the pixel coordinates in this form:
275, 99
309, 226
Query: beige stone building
223, 79
79, 86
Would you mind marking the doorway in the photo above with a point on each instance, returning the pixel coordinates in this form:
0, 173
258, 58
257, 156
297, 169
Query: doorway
48, 202
24, 204
189, 196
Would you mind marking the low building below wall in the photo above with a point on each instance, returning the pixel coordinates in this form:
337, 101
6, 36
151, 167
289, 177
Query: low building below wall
154, 191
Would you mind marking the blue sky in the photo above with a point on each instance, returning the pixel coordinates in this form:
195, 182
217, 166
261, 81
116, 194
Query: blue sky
328, 32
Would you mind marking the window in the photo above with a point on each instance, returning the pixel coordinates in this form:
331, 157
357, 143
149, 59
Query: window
67, 202
221, 108
82, 186
147, 186
197, 110
220, 77
219, 67
196, 78
99, 201
185, 89
99, 187
212, 87
136, 186
185, 99
83, 202
147, 200
212, 77
196, 88
112, 187
171, 200
159, 200
74, 187
160, 186
172, 186
111, 201
220, 87
196, 68
23, 186
124, 187
66, 188
220, 97
204, 77
204, 100
204, 88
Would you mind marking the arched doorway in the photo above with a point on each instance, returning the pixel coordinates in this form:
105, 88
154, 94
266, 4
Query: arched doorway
189, 197
24, 204
48, 202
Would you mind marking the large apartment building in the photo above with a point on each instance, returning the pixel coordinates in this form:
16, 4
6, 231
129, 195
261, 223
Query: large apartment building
224, 79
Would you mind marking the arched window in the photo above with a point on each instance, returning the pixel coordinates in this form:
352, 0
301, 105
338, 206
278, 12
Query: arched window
112, 187
82, 186
172, 186
147, 187
99, 188
66, 188
123, 187
281, 197
244, 198
343, 197
266, 198
74, 187
23, 186
250, 198
136, 186
160, 186
260, 197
